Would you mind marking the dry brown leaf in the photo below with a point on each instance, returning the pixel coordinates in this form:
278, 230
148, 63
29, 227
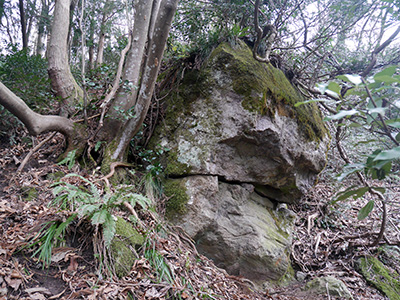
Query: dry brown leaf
14, 283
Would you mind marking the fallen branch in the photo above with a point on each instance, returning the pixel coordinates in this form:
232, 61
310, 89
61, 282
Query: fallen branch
38, 146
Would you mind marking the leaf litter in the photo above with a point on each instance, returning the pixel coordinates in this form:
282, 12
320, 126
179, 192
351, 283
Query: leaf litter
327, 241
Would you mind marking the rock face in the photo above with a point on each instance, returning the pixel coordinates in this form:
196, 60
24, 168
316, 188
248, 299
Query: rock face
236, 227
238, 146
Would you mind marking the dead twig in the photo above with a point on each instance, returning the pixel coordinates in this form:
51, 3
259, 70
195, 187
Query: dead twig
38, 146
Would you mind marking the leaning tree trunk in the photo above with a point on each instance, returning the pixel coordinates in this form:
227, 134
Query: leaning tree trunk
151, 27
62, 81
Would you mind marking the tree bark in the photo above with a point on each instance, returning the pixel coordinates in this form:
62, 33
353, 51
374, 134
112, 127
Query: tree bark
23, 24
2, 8
153, 31
41, 37
34, 122
102, 35
62, 81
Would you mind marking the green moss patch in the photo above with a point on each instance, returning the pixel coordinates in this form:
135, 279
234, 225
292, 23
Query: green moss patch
266, 90
174, 167
176, 191
29, 193
125, 237
383, 278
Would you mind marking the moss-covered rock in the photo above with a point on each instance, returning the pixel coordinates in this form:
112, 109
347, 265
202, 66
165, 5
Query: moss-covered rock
176, 192
336, 287
236, 118
266, 90
382, 277
126, 237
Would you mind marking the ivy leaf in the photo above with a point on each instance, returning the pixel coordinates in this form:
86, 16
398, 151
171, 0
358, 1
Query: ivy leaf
364, 212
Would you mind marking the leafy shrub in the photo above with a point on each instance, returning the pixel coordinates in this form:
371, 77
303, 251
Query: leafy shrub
27, 77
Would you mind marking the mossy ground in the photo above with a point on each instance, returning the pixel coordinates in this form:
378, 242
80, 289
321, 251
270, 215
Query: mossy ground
125, 237
377, 274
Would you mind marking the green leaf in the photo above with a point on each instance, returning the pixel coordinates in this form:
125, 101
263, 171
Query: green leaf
342, 114
385, 79
351, 192
321, 87
389, 71
69, 159
97, 146
100, 217
310, 101
389, 154
379, 189
143, 201
353, 78
377, 110
395, 123
364, 212
334, 87
109, 228
87, 209
350, 169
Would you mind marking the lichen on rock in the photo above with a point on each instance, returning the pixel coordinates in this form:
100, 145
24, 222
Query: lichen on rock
323, 285
236, 118
238, 146
266, 90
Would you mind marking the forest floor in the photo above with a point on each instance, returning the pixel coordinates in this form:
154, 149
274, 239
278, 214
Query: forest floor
323, 243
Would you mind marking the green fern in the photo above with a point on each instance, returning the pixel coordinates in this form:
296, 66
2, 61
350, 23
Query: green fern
92, 204
51, 237
69, 160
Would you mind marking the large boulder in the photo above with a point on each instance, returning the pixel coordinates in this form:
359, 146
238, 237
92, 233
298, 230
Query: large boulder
238, 145
239, 229
236, 119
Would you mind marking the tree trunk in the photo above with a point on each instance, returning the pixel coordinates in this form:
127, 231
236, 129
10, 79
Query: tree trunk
152, 24
2, 8
100, 49
102, 35
23, 24
34, 122
62, 81
41, 37
91, 45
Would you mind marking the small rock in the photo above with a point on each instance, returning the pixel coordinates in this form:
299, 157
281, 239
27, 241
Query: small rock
301, 276
323, 285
